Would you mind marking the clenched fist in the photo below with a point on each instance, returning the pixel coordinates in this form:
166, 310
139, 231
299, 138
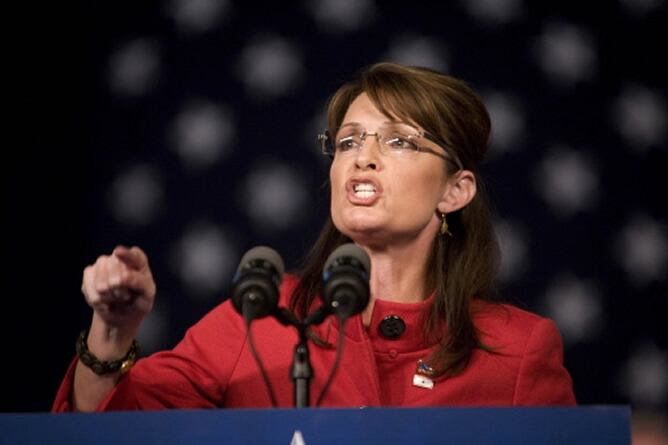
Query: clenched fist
120, 288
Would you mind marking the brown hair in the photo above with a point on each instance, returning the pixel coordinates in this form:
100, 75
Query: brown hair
462, 266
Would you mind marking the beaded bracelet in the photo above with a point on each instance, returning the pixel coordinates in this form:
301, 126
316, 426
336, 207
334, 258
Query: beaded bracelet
102, 367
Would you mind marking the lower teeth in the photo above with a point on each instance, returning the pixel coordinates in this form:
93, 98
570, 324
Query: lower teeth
364, 194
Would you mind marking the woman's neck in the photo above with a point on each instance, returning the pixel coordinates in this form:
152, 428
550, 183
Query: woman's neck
398, 273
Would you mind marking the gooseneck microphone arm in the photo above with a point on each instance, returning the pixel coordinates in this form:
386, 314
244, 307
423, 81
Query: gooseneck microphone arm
345, 293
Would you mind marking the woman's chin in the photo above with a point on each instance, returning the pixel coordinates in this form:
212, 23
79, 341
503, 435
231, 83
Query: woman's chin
361, 222
363, 232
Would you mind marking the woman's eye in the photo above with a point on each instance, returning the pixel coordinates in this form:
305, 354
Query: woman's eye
401, 143
345, 144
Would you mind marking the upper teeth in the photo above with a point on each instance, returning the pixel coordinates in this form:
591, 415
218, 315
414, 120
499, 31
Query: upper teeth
364, 190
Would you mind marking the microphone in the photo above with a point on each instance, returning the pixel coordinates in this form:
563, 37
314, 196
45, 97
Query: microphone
346, 281
255, 284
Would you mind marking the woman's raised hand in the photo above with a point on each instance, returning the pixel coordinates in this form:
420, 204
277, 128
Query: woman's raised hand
120, 288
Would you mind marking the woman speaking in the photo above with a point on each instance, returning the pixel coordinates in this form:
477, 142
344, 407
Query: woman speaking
405, 143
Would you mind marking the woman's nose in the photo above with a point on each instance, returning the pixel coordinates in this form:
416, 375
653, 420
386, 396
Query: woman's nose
368, 153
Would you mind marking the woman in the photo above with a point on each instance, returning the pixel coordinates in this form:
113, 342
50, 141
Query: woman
405, 143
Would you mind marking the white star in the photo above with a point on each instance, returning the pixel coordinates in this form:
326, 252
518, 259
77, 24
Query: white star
495, 12
270, 67
508, 122
641, 117
136, 195
297, 438
642, 250
193, 16
574, 305
567, 181
134, 68
342, 15
202, 133
566, 53
645, 376
205, 259
513, 243
418, 50
274, 196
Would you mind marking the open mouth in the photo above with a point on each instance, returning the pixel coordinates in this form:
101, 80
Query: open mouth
364, 190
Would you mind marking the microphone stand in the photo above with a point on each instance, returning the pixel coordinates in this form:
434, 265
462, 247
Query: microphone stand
301, 370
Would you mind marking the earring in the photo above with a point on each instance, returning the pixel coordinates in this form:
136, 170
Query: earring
444, 226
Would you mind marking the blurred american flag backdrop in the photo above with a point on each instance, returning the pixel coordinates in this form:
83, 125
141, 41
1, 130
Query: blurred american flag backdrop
188, 127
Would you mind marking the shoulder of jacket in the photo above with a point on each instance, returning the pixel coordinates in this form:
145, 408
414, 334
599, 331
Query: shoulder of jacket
506, 326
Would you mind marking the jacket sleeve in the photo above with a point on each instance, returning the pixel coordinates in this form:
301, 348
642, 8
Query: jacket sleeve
542, 378
192, 375
62, 402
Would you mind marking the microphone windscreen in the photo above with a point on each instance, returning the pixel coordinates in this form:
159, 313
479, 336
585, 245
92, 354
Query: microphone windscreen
349, 250
263, 253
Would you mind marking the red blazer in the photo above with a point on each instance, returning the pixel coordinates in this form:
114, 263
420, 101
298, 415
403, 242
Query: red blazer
213, 365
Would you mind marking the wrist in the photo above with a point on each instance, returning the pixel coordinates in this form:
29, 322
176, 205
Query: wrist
109, 342
101, 366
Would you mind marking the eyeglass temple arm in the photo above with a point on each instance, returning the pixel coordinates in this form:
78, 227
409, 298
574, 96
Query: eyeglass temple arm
326, 143
450, 155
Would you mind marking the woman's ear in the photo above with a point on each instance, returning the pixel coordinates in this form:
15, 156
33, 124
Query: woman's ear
459, 191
